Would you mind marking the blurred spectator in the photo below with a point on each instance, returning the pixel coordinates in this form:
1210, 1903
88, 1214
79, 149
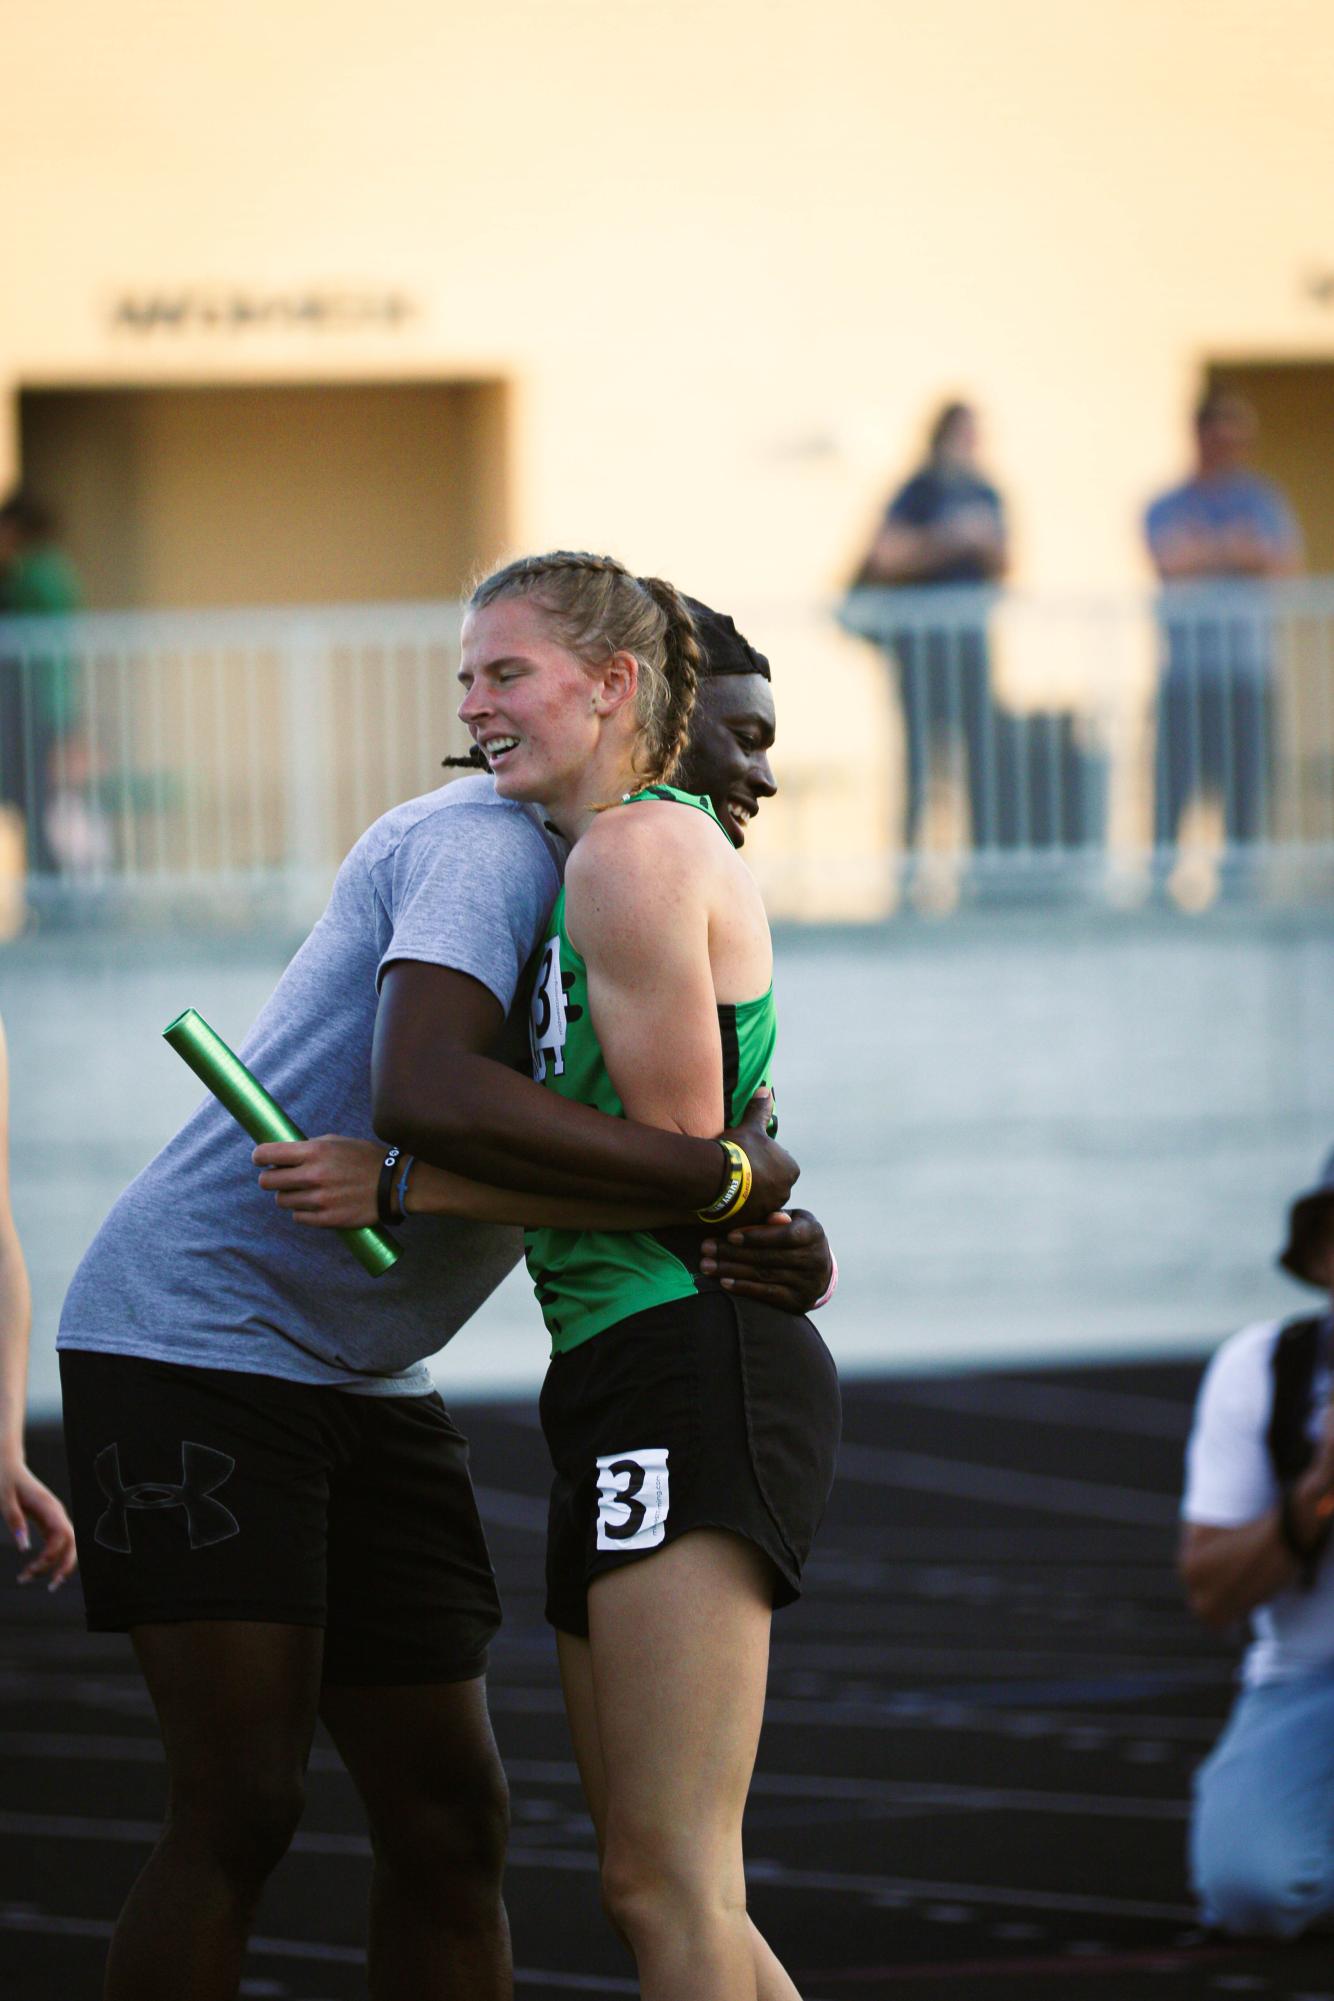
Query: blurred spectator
37, 580
1210, 539
944, 527
25, 1503
1258, 1510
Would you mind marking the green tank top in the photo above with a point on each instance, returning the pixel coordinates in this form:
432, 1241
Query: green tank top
587, 1280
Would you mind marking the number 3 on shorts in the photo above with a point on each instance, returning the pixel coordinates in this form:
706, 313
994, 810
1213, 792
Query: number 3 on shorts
632, 1499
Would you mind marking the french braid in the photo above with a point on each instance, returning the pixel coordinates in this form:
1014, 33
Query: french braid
664, 738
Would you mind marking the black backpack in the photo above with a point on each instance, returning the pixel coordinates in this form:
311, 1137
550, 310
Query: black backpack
1293, 1368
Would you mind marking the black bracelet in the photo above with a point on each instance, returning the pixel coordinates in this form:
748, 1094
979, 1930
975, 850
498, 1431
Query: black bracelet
1308, 1555
384, 1187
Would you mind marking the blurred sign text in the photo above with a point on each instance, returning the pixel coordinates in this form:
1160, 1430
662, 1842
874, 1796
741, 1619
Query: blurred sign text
217, 310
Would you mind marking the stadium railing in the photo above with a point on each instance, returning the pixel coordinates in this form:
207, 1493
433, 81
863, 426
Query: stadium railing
209, 766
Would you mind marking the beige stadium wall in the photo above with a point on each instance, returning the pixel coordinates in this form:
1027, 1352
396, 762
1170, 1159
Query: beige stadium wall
726, 255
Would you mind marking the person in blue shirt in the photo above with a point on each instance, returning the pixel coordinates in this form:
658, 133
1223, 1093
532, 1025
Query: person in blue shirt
1213, 540
944, 527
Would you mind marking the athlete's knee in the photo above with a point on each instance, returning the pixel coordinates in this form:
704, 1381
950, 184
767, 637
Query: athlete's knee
652, 1884
445, 1837
243, 1822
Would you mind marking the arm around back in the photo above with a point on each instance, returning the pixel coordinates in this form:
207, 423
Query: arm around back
467, 895
437, 1092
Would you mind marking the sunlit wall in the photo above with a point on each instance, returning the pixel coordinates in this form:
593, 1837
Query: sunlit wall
723, 258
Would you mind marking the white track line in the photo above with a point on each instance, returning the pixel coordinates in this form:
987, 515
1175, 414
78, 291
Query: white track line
1049, 1403
925, 1473
582, 1861
765, 1785
20, 1918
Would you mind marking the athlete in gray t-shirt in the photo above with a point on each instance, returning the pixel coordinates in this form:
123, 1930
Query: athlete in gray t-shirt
457, 879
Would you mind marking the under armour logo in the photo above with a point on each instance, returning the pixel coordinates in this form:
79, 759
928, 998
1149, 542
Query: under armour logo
203, 1471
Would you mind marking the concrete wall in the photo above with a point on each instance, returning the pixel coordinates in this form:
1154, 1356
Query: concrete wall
1026, 1138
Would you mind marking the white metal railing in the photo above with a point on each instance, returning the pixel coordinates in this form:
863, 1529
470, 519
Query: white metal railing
1185, 736
216, 762
171, 758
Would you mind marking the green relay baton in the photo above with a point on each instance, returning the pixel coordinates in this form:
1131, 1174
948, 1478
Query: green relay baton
251, 1106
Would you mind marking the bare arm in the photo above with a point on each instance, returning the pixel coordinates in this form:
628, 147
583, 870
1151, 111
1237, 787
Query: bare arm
899, 555
637, 907
1228, 1572
1181, 553
331, 1183
903, 554
1191, 552
439, 1092
1248, 553
23, 1498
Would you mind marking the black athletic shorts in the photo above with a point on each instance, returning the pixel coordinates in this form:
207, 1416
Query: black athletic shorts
215, 1494
711, 1412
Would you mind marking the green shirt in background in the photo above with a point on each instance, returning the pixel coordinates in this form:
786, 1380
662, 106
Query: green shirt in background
43, 583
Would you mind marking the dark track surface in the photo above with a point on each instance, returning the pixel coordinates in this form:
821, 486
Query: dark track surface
982, 1723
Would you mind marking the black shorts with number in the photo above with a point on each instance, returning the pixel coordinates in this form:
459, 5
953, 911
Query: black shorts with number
709, 1412
215, 1494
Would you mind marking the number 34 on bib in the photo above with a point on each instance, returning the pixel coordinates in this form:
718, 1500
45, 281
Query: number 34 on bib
633, 1498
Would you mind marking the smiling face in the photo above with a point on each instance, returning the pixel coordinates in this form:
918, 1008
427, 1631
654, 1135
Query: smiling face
727, 755
543, 719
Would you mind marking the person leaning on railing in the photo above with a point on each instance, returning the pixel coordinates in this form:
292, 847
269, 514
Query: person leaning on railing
1222, 530
1259, 1510
944, 527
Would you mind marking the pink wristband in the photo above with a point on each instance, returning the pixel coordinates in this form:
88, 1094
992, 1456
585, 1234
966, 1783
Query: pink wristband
832, 1286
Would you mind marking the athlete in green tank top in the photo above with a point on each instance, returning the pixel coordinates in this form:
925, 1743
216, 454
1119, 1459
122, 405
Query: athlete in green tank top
587, 1280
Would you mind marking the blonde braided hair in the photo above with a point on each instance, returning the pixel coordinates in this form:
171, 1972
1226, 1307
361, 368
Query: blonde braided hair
598, 608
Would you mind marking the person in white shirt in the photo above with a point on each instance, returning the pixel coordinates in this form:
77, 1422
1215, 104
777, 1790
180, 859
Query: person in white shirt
1257, 1514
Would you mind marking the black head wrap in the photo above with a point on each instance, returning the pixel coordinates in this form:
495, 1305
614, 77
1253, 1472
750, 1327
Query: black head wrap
726, 651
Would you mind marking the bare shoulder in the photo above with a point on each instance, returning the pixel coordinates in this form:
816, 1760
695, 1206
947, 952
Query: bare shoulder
641, 841
638, 870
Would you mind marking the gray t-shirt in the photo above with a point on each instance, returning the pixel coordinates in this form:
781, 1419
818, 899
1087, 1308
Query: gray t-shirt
196, 1263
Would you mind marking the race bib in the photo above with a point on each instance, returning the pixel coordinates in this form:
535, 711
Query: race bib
546, 1026
633, 1498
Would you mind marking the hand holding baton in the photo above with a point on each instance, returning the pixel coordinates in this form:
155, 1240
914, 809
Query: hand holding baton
242, 1094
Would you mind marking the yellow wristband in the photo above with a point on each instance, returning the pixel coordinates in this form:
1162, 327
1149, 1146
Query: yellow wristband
735, 1191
